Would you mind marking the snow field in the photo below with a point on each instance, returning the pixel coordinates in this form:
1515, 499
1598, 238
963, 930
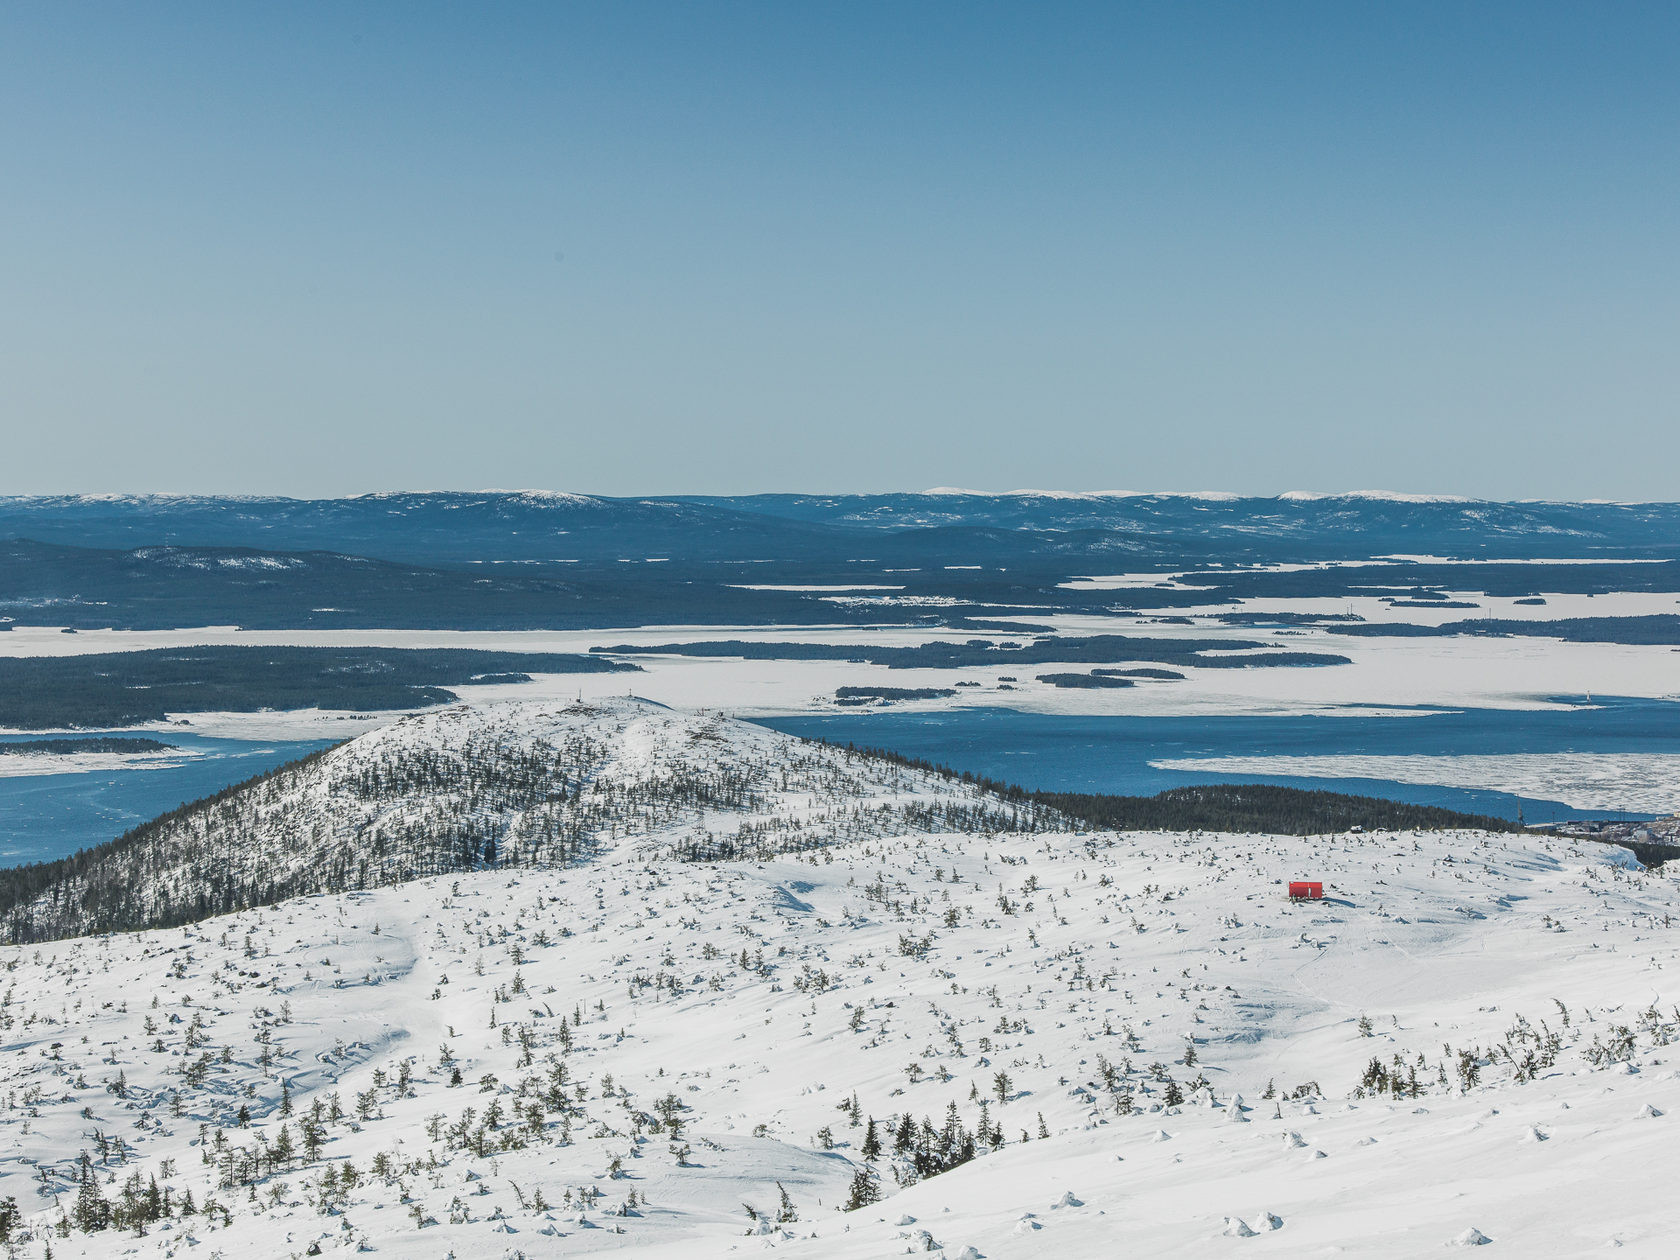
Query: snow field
647, 1046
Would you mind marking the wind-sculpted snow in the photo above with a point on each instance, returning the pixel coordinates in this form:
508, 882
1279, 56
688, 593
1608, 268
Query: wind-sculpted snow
518, 785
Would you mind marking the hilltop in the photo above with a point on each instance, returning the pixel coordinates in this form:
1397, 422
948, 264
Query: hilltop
512, 785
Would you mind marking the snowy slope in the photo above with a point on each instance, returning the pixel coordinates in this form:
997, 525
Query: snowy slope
647, 1046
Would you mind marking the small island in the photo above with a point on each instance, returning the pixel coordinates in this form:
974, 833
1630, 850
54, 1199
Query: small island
87, 744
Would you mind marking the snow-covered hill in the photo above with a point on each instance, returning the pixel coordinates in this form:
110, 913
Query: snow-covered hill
523, 784
1071, 1044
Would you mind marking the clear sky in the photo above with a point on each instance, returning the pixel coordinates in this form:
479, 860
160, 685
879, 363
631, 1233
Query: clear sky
712, 247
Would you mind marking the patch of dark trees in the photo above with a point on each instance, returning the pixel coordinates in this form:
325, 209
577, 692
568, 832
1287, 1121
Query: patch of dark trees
932, 1150
126, 688
1233, 807
1414, 581
1654, 628
91, 744
1092, 681
1284, 618
1097, 648
892, 693
1259, 808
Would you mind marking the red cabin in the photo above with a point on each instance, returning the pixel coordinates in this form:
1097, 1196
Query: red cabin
1305, 890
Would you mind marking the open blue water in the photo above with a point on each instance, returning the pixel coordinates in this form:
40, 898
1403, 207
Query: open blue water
53, 815
1112, 754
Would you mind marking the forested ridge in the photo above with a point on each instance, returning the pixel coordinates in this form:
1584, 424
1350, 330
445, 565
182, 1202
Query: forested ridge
1235, 807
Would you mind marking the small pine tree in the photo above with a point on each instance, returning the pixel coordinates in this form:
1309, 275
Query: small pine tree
864, 1190
91, 1212
871, 1142
905, 1134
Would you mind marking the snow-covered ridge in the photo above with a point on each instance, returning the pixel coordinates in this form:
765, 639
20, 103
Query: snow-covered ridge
1220, 496
1225, 496
1376, 496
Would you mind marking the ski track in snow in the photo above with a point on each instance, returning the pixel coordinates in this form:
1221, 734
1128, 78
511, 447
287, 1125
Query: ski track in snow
762, 995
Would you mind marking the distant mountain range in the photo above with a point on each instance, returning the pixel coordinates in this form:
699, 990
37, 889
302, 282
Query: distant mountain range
452, 527
957, 559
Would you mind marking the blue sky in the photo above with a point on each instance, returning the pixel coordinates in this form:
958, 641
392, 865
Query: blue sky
736, 247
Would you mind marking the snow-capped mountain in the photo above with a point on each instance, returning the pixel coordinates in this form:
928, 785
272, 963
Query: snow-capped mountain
882, 1022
